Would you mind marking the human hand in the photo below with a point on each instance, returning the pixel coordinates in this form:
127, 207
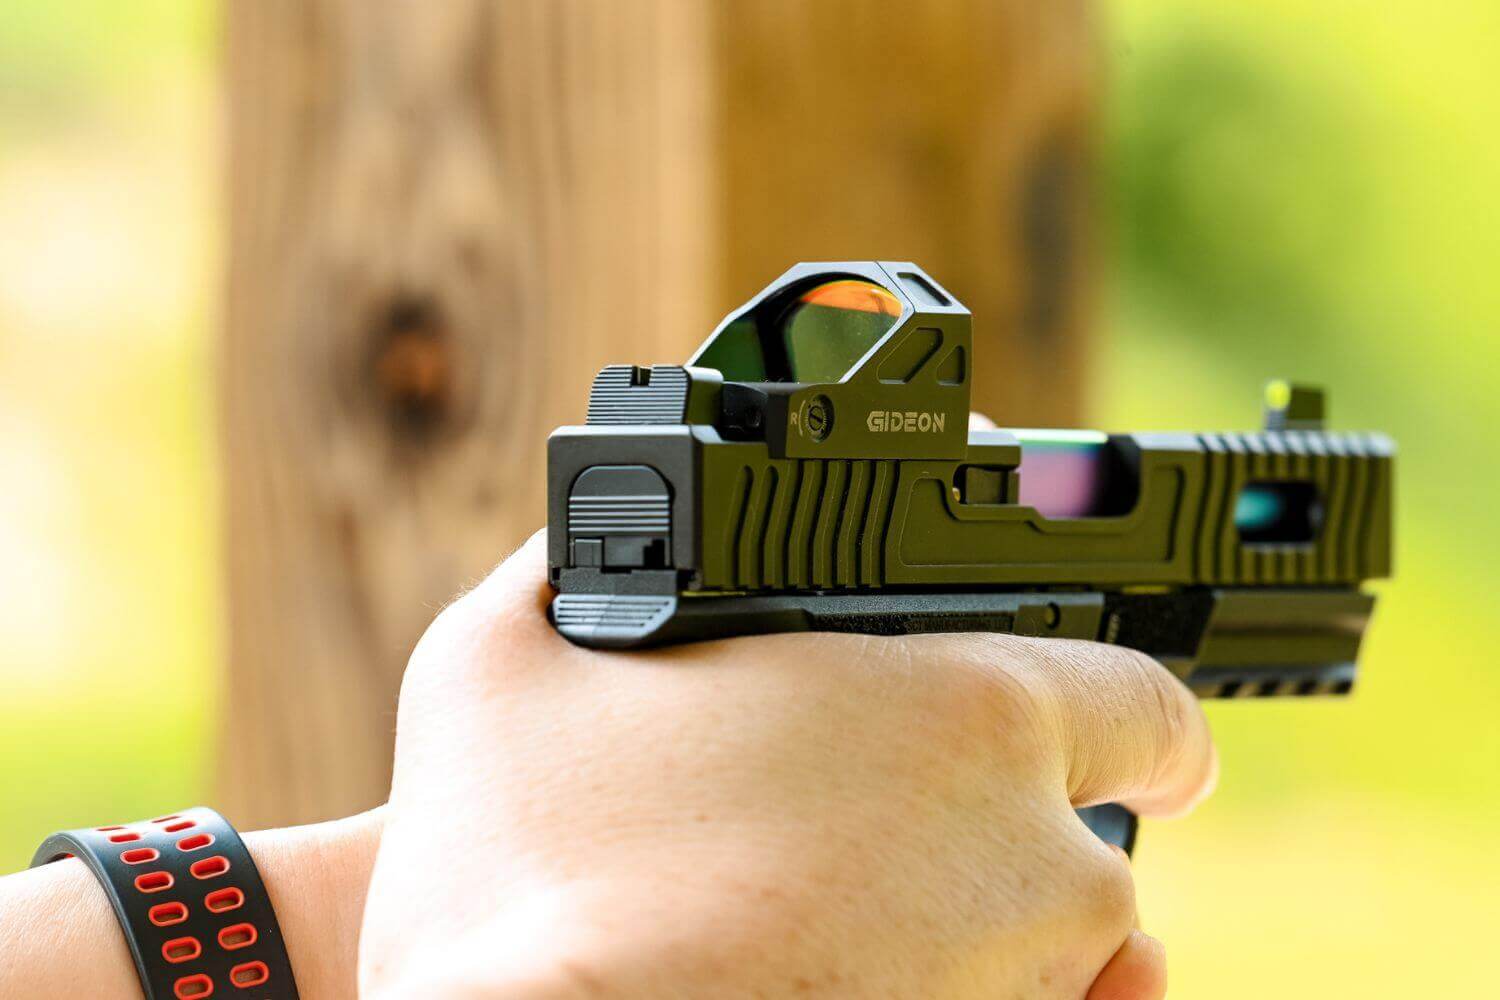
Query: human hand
828, 815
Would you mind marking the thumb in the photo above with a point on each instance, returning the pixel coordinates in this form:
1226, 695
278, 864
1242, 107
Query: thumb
1132, 732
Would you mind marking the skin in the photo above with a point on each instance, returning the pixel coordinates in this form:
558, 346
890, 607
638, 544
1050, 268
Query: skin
779, 816
791, 815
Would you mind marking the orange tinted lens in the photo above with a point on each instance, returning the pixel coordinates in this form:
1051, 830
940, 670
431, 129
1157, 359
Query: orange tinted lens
833, 325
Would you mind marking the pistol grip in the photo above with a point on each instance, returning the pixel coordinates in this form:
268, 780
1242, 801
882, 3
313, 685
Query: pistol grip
1112, 824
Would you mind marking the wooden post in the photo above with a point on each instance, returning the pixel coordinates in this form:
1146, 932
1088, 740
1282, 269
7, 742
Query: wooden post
444, 218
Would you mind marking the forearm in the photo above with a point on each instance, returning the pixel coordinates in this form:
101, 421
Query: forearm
59, 937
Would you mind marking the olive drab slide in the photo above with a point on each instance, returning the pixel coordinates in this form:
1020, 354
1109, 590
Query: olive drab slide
811, 468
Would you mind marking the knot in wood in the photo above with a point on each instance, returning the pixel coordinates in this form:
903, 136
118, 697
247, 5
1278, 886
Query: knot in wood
412, 367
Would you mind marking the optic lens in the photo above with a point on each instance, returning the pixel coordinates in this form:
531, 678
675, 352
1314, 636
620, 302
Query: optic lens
832, 326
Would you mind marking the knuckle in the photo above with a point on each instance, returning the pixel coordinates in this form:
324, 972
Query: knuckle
989, 683
960, 697
1093, 891
1106, 888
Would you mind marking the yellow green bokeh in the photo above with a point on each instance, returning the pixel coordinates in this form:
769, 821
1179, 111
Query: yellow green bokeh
1306, 189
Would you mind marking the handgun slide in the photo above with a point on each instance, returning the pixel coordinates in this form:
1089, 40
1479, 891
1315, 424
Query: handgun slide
811, 469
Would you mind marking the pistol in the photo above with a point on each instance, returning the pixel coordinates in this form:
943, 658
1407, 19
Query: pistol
811, 468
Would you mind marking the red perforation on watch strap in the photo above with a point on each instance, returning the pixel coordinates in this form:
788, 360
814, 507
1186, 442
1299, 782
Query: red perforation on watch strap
196, 914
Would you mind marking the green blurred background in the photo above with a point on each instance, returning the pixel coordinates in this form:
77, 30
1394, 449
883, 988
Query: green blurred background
1308, 188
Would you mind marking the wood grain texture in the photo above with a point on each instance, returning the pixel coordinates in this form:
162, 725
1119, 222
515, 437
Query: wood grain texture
444, 218
954, 133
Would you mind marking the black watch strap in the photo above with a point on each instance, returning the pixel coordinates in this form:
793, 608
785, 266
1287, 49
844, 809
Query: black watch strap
191, 902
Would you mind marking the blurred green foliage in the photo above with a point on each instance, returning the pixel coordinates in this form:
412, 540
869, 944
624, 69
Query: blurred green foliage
1304, 188
1307, 188
108, 236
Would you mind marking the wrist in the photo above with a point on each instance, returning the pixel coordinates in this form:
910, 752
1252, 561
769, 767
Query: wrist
317, 876
59, 935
